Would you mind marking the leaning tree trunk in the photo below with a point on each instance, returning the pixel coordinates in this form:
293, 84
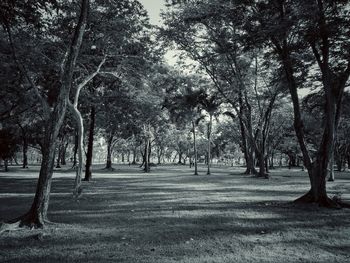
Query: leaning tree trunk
37, 215
79, 167
195, 148
89, 153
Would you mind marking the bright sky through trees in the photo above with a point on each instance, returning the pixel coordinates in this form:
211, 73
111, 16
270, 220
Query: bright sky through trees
153, 8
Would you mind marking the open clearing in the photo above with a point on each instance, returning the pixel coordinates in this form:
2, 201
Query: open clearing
170, 215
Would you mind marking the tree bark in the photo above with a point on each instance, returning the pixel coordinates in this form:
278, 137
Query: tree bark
195, 149
147, 145
79, 167
75, 150
6, 164
88, 174
63, 154
109, 154
25, 152
209, 142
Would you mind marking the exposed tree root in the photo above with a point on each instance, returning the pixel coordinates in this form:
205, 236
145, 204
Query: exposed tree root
326, 202
9, 227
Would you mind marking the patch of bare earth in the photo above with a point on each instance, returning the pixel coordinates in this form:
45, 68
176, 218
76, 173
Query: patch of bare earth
170, 215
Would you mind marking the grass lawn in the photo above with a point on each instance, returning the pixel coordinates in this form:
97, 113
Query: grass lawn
170, 215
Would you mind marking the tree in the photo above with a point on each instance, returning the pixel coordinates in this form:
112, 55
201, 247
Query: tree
318, 28
54, 115
184, 104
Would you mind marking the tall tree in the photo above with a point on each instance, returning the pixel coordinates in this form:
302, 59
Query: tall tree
54, 114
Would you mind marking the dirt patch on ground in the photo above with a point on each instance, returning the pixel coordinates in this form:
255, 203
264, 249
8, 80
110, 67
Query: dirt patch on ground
170, 215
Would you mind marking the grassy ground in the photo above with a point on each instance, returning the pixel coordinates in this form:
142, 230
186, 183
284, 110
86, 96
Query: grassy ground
170, 215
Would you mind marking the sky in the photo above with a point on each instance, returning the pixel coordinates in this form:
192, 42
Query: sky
153, 8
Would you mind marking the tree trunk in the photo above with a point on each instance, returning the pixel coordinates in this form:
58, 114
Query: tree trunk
209, 141
261, 159
75, 151
147, 167
25, 151
37, 215
134, 156
109, 154
89, 153
58, 161
195, 148
180, 158
79, 167
272, 164
6, 165
63, 155
331, 168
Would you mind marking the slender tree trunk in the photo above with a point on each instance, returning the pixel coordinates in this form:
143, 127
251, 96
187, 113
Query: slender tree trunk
272, 165
6, 164
331, 169
58, 157
88, 174
63, 155
209, 142
75, 150
25, 152
195, 149
147, 144
79, 167
128, 157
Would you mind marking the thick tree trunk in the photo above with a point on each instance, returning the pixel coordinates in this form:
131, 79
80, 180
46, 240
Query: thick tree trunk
37, 215
250, 160
194, 149
261, 159
88, 174
134, 152
180, 158
109, 155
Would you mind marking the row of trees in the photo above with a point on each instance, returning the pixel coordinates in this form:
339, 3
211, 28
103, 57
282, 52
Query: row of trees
257, 53
252, 58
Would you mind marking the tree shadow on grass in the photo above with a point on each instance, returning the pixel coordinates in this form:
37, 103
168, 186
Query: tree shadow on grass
161, 218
